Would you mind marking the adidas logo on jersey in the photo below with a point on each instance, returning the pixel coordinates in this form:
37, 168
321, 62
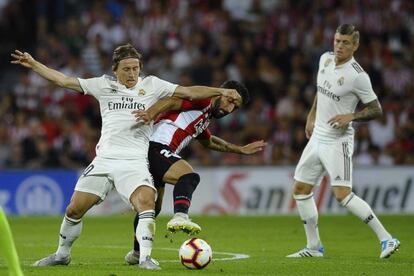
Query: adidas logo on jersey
338, 178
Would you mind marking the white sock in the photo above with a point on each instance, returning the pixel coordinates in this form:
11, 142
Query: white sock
309, 215
145, 232
70, 230
361, 209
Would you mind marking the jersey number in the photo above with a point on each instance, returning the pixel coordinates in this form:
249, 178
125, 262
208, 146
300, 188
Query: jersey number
166, 153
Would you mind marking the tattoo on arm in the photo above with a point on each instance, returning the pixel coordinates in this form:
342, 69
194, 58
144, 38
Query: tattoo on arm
219, 144
371, 111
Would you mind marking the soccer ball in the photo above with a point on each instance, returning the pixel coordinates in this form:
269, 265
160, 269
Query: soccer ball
195, 253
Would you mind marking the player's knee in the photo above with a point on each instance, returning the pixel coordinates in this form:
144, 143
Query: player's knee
302, 188
74, 212
341, 193
191, 178
143, 199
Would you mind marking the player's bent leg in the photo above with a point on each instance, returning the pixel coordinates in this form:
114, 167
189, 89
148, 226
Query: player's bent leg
70, 228
132, 257
361, 209
181, 174
143, 200
302, 193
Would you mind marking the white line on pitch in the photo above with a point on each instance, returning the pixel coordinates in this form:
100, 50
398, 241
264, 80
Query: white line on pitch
233, 256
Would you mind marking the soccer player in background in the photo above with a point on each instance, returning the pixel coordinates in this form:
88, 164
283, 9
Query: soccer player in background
341, 84
121, 153
173, 131
7, 248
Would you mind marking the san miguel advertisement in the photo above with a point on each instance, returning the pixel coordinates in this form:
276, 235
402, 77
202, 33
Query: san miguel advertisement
242, 191
268, 191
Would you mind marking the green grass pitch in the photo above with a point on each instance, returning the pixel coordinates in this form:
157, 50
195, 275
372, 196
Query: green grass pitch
351, 247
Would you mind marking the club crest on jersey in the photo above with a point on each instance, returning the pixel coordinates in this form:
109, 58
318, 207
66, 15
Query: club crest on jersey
341, 81
114, 88
141, 92
327, 62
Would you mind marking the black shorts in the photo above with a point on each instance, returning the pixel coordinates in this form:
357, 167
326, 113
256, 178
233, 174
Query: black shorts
160, 160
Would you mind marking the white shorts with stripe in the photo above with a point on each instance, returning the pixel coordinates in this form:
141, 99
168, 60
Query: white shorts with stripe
103, 175
332, 158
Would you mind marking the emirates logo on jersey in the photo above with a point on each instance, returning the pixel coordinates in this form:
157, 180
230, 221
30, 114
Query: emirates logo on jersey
141, 92
341, 81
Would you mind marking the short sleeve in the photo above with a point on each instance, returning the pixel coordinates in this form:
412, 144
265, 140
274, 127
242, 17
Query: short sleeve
195, 105
205, 135
363, 88
92, 86
322, 59
163, 88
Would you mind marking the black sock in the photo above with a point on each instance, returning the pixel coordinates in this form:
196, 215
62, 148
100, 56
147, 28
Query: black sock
183, 192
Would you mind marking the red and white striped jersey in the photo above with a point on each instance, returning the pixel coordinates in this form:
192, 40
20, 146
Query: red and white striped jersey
177, 128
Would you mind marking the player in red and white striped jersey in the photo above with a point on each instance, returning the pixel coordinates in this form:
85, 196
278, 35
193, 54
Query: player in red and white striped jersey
173, 131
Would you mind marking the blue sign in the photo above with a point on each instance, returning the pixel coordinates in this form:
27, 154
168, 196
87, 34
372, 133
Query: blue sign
36, 192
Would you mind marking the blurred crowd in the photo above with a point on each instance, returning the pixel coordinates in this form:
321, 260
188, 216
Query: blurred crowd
272, 46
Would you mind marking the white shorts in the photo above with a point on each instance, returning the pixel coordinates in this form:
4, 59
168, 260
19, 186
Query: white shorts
103, 175
319, 158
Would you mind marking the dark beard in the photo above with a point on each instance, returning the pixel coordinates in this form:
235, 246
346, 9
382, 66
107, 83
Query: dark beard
216, 112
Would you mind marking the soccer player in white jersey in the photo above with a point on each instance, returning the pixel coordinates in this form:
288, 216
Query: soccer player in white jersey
341, 84
173, 131
121, 153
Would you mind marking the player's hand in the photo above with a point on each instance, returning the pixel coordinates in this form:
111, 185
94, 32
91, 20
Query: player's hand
24, 59
341, 121
142, 116
232, 94
310, 124
253, 147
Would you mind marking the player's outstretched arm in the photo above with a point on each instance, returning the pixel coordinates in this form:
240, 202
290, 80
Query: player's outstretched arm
218, 144
56, 77
165, 104
204, 92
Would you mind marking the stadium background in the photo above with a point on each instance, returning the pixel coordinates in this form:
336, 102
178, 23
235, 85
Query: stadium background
47, 135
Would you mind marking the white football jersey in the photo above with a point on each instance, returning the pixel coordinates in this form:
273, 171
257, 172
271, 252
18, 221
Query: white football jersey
121, 136
339, 88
